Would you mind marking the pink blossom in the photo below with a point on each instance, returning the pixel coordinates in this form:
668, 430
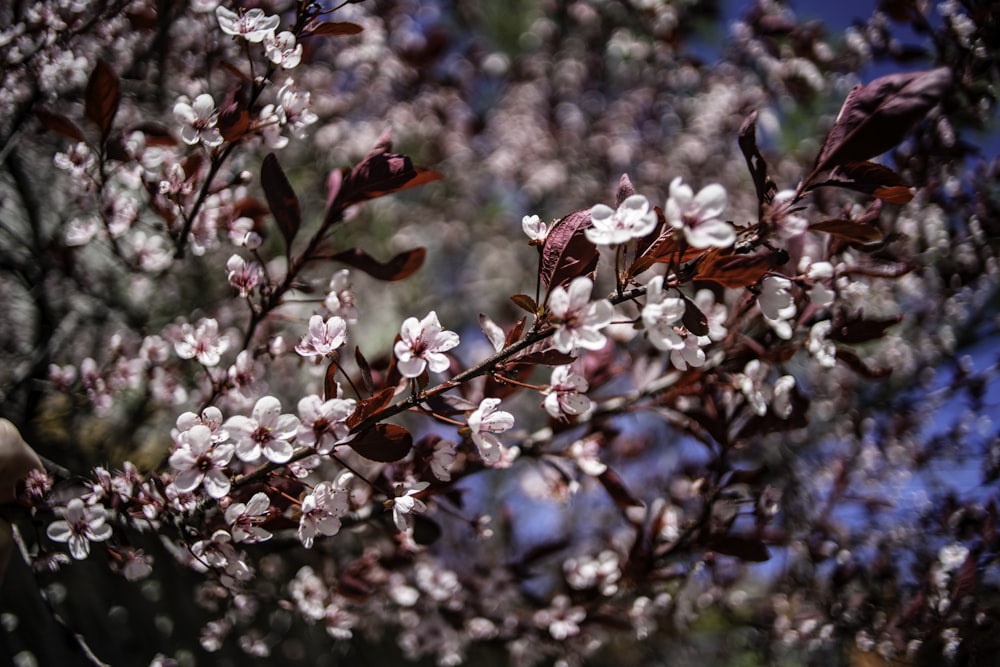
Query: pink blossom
281, 49
198, 119
244, 519
662, 317
536, 230
698, 215
633, 219
406, 503
483, 423
340, 299
201, 341
79, 527
267, 430
323, 423
201, 462
321, 512
243, 275
253, 24
422, 344
324, 337
578, 321
565, 393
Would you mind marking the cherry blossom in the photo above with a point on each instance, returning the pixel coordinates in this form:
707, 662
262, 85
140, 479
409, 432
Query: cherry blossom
698, 215
324, 337
79, 527
199, 120
536, 230
323, 422
633, 219
340, 299
442, 458
565, 393
578, 321
820, 346
202, 342
483, 422
200, 462
245, 374
244, 275
321, 511
267, 431
422, 345
777, 304
244, 519
253, 25
282, 49
406, 503
662, 317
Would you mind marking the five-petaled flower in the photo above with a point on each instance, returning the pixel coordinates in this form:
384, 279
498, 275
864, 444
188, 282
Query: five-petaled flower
322, 509
267, 431
253, 24
422, 344
200, 462
323, 422
633, 219
324, 337
565, 393
698, 215
536, 230
244, 519
201, 342
662, 316
199, 119
406, 503
483, 422
79, 527
578, 322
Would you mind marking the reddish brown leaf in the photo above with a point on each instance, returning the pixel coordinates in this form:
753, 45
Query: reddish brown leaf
385, 443
60, 124
877, 116
281, 199
857, 330
403, 265
668, 247
726, 268
625, 190
855, 363
102, 97
525, 303
694, 320
234, 123
615, 487
870, 178
370, 406
547, 358
766, 188
379, 175
334, 28
567, 253
849, 230
330, 381
750, 549
515, 332
365, 368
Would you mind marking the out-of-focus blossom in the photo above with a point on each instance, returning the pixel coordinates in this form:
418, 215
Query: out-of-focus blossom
698, 215
79, 527
820, 346
201, 342
442, 458
324, 337
282, 49
201, 462
246, 375
586, 454
561, 619
323, 423
777, 305
483, 423
406, 503
340, 298
243, 275
633, 219
788, 224
266, 431
566, 393
199, 120
422, 345
578, 321
253, 24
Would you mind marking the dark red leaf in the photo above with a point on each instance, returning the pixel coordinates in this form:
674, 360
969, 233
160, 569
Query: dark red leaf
234, 123
334, 28
102, 97
525, 303
747, 140
877, 116
567, 253
726, 268
615, 487
694, 320
426, 530
849, 230
365, 368
59, 124
403, 265
370, 406
857, 330
870, 178
385, 443
281, 199
855, 363
749, 549
330, 381
515, 332
547, 358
